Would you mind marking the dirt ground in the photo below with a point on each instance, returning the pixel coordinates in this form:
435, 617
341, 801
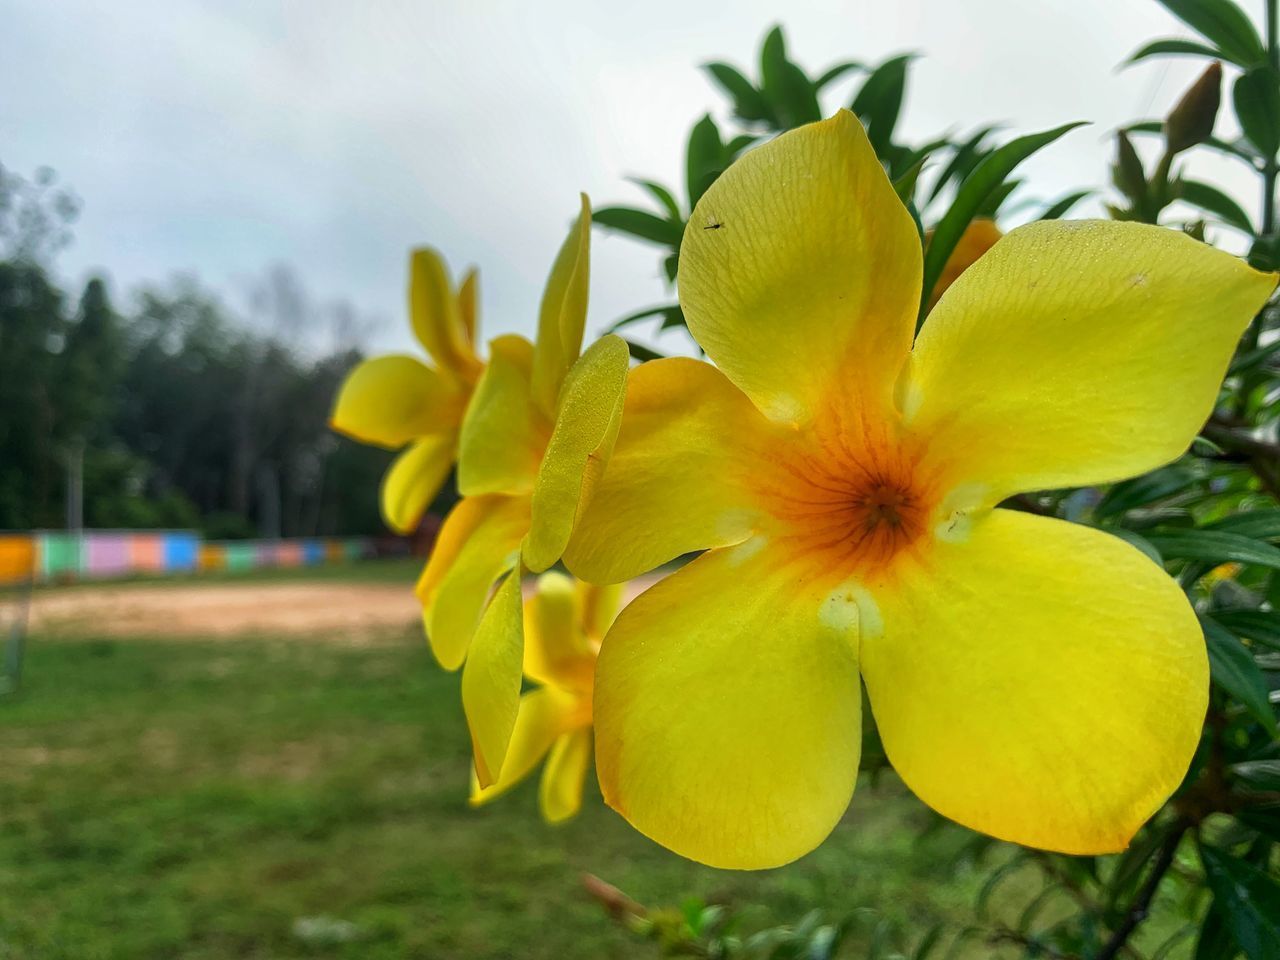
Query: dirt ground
341, 612
353, 611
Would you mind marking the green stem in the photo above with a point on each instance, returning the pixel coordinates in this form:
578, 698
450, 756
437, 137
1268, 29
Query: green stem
1270, 168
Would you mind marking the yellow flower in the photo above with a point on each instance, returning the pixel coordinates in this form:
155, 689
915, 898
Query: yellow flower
1034, 679
563, 624
534, 440
398, 401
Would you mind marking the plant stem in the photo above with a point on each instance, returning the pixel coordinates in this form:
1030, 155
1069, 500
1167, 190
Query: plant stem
1141, 905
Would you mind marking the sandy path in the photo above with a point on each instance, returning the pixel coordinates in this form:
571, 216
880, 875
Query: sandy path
347, 612
226, 609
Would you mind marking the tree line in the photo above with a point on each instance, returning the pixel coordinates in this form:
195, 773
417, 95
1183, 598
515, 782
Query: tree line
175, 411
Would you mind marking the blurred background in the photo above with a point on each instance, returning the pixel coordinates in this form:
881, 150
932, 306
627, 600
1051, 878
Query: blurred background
223, 735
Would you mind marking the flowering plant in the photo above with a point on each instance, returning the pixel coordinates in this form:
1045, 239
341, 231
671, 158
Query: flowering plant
1023, 486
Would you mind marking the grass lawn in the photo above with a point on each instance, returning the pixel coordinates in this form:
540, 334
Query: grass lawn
264, 798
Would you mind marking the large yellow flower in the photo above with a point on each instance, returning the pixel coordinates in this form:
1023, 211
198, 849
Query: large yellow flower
398, 401
534, 440
1037, 680
563, 624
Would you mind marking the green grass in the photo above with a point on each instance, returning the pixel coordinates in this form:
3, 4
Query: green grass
196, 799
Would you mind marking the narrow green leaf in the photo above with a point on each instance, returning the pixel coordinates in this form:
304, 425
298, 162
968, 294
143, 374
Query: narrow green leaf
1168, 48
1146, 490
789, 92
1233, 669
748, 102
833, 74
1222, 23
662, 195
1247, 900
1256, 97
1257, 625
1258, 774
1058, 208
640, 223
905, 185
1215, 546
962, 161
1139, 541
1259, 524
1214, 942
1239, 149
704, 158
640, 352
1209, 198
879, 100
645, 314
986, 177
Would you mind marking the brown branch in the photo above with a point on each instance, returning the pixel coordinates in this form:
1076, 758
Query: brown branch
1141, 906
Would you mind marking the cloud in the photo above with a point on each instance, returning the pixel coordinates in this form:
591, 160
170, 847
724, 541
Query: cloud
219, 137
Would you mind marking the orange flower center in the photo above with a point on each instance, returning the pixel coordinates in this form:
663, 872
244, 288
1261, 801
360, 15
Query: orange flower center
853, 510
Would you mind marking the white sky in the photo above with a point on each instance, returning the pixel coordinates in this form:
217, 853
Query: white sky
222, 136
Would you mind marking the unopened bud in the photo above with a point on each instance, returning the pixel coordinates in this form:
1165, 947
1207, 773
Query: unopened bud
1191, 121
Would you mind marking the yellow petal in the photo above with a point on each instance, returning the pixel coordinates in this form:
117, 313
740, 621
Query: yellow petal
503, 433
727, 711
415, 478
1042, 682
436, 316
1076, 353
469, 305
979, 237
586, 426
491, 679
544, 715
800, 271
560, 793
600, 605
563, 313
556, 648
391, 400
680, 475
478, 543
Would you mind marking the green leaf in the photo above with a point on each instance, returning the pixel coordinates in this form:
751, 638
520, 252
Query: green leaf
1233, 669
663, 311
905, 185
738, 144
1258, 774
1172, 48
662, 195
1139, 541
1247, 900
1256, 625
1256, 96
879, 101
835, 73
1145, 490
1215, 546
1059, 207
985, 179
748, 102
787, 90
704, 158
1214, 942
1211, 199
1223, 24
640, 224
640, 352
1259, 524
962, 161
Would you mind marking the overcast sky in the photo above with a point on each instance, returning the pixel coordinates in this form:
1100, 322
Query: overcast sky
224, 136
